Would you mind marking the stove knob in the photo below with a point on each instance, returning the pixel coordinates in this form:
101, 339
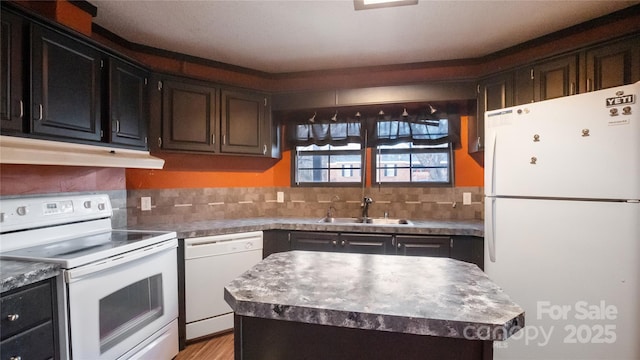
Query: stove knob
87, 204
22, 210
101, 206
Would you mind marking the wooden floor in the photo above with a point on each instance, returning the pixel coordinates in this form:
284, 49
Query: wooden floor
219, 347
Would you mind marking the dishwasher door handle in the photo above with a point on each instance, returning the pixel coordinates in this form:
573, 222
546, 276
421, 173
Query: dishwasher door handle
222, 244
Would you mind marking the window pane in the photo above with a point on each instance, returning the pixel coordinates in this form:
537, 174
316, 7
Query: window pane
313, 175
332, 164
313, 161
408, 163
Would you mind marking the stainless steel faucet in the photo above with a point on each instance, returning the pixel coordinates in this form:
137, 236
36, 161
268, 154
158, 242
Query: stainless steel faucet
365, 206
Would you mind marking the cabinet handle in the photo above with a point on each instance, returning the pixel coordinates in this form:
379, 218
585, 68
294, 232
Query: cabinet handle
572, 88
213, 139
224, 139
40, 112
117, 126
342, 243
334, 243
16, 357
159, 142
589, 85
264, 149
21, 109
13, 317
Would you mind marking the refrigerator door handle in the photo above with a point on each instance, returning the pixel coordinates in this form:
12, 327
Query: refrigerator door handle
492, 169
490, 234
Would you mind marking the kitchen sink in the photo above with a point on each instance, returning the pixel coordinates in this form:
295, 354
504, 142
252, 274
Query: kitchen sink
375, 221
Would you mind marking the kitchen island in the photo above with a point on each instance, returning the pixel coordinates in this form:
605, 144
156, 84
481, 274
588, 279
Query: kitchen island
317, 305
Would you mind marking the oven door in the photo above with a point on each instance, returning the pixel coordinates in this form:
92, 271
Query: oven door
117, 304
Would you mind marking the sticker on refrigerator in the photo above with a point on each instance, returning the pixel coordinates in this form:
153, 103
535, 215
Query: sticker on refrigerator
619, 121
621, 100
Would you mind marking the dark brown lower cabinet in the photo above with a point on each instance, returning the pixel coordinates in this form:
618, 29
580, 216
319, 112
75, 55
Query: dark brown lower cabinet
315, 241
367, 243
28, 322
465, 248
434, 246
266, 339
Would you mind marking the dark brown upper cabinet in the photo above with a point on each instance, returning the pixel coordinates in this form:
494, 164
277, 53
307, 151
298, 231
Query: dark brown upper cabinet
128, 104
189, 120
494, 92
65, 86
555, 78
12, 106
613, 65
245, 123
546, 80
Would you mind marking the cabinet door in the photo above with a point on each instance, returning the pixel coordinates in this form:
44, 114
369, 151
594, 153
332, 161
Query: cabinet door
11, 85
315, 241
613, 65
469, 249
35, 343
367, 243
244, 129
494, 92
436, 246
128, 104
189, 117
66, 83
523, 86
555, 78
275, 241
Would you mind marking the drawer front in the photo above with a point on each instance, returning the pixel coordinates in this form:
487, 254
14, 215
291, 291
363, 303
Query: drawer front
434, 246
36, 343
24, 309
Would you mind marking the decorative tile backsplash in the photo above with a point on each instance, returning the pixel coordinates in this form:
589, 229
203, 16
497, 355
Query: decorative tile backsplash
184, 205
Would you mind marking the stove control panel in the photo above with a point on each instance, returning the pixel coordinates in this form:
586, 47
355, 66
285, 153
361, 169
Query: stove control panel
32, 212
58, 207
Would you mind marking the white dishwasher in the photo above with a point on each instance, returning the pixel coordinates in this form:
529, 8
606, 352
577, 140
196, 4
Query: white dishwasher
211, 263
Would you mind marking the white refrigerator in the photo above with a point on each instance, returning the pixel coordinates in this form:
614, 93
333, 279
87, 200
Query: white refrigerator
562, 223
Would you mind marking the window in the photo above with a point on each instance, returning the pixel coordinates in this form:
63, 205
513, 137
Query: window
413, 147
328, 164
410, 164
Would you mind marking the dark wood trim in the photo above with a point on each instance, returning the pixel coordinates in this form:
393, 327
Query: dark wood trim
564, 33
85, 6
97, 29
32, 16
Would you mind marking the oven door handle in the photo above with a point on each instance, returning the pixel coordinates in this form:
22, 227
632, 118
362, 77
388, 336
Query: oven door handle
79, 272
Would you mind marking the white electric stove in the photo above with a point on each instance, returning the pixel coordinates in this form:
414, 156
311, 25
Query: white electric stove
117, 292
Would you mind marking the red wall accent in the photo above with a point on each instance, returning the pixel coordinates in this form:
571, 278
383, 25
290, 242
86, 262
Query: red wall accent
198, 171
45, 179
467, 171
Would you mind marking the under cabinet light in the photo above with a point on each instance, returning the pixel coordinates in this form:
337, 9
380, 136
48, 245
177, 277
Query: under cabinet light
376, 4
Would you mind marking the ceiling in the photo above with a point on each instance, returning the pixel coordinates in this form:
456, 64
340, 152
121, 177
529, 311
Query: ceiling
279, 36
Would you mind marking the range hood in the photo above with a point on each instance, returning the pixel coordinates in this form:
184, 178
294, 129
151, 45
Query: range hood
17, 150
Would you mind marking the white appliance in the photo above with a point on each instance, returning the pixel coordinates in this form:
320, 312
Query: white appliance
562, 223
211, 262
117, 293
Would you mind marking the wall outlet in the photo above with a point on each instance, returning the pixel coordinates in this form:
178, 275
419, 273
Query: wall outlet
466, 198
280, 196
145, 203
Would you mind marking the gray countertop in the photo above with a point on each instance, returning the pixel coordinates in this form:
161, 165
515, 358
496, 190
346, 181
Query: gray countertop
220, 227
19, 273
14, 274
414, 295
